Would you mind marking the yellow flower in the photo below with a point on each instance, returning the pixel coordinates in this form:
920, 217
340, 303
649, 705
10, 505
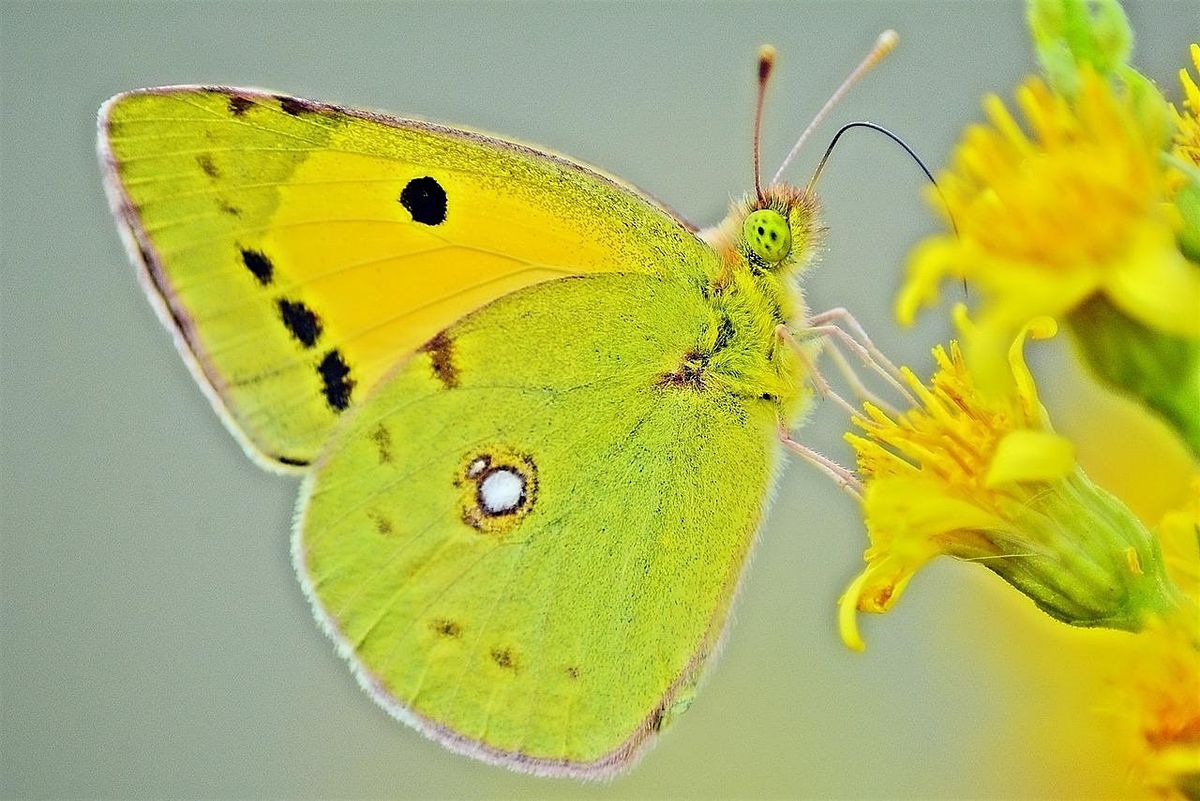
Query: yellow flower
982, 477
1179, 535
1185, 181
1159, 697
1076, 208
1187, 122
1159, 692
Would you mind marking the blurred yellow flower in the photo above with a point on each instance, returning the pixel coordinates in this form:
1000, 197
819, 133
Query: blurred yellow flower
1185, 180
982, 477
1187, 122
1179, 535
1077, 208
1161, 685
1159, 705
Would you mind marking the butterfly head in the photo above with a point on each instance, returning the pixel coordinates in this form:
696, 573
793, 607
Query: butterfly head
775, 229
769, 232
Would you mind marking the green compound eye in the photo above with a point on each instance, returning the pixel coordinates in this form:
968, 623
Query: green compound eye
768, 234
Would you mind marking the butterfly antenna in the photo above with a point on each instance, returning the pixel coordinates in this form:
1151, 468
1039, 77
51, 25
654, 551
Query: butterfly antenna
885, 44
766, 64
895, 138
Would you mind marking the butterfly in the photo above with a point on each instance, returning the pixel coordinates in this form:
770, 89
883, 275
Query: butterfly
538, 416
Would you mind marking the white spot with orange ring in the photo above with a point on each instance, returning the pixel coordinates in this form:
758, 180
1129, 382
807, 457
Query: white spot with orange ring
501, 491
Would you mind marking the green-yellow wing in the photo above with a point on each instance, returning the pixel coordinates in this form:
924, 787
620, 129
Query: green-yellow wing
299, 250
527, 539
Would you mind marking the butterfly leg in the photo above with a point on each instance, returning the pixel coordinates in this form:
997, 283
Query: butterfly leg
844, 478
828, 344
826, 324
841, 314
851, 377
820, 384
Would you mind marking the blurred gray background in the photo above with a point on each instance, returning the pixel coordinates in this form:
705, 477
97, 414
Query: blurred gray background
153, 640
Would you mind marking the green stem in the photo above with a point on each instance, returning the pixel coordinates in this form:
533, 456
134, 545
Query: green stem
1160, 371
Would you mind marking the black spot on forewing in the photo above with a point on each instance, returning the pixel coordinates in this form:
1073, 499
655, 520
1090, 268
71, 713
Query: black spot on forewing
441, 357
293, 105
259, 265
336, 381
301, 321
208, 166
228, 208
425, 200
238, 105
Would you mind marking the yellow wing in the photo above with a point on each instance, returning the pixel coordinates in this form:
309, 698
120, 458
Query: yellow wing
298, 250
532, 566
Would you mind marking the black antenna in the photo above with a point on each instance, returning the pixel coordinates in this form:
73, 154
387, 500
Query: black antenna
895, 138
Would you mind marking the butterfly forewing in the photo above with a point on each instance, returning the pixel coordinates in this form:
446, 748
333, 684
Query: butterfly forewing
300, 250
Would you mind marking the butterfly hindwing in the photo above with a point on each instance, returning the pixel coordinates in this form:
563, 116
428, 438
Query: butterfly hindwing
531, 565
299, 250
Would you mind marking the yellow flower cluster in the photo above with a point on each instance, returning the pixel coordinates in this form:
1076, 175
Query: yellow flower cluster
1163, 682
1046, 220
1083, 208
981, 476
1187, 122
1160, 712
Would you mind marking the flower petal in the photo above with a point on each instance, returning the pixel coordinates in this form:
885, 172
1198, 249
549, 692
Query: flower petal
848, 613
907, 512
1037, 328
929, 263
1161, 288
1026, 455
